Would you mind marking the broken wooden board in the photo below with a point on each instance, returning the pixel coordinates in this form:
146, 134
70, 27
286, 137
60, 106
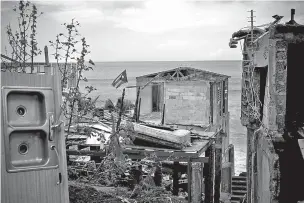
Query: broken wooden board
77, 137
153, 140
140, 152
180, 137
204, 134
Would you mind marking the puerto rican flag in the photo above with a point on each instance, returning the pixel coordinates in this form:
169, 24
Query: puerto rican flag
121, 79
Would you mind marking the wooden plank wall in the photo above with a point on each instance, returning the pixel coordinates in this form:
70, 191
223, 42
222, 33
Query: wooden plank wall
64, 193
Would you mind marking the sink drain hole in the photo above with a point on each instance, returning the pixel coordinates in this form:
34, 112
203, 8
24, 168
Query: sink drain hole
23, 148
21, 110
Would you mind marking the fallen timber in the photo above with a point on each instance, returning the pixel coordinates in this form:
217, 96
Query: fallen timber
201, 157
149, 133
189, 154
139, 152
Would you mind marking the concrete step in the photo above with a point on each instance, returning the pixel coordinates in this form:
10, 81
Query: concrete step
239, 187
239, 182
239, 192
239, 177
237, 197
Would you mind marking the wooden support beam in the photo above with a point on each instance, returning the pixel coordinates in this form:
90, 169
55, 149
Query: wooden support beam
136, 105
138, 114
202, 179
154, 78
189, 175
196, 183
209, 195
140, 154
163, 115
206, 175
172, 76
175, 178
218, 169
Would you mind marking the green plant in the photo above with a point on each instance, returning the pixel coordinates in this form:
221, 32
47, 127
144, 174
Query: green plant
76, 104
22, 41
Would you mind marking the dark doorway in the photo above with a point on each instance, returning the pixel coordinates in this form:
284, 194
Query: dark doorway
263, 79
295, 84
156, 97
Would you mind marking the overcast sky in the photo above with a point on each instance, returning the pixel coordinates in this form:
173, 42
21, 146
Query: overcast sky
153, 30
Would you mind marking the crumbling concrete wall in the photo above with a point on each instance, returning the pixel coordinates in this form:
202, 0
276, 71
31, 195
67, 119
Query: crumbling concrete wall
275, 165
265, 169
275, 94
260, 52
276, 88
187, 102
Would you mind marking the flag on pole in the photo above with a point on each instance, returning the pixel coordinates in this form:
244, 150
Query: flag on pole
121, 79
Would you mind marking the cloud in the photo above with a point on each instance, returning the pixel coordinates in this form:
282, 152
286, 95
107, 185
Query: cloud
161, 16
83, 15
217, 53
64, 11
173, 44
119, 5
89, 12
153, 29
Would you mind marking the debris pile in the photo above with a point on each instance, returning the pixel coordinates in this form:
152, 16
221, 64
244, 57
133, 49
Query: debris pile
129, 182
105, 165
82, 193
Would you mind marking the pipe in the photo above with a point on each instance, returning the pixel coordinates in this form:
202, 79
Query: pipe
293, 12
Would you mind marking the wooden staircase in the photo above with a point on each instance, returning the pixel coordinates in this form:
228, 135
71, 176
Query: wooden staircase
239, 188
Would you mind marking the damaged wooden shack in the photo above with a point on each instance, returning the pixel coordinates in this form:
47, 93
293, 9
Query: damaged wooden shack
181, 116
272, 110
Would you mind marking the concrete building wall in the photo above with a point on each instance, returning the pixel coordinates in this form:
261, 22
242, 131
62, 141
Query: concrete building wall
273, 162
146, 100
187, 102
261, 55
276, 85
275, 94
265, 169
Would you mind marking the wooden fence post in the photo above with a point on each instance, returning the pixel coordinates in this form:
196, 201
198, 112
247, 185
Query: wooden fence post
163, 115
136, 105
138, 114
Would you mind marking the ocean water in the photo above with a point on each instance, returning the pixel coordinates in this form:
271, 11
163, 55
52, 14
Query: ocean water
105, 72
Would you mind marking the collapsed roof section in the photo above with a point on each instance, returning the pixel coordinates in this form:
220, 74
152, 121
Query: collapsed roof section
186, 73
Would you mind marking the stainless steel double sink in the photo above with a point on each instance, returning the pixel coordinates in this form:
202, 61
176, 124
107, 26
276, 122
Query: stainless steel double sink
29, 141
